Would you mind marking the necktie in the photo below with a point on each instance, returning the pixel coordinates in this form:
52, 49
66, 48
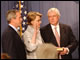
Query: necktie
57, 39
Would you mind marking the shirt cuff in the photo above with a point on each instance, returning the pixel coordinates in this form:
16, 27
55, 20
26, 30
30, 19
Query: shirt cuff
67, 51
33, 46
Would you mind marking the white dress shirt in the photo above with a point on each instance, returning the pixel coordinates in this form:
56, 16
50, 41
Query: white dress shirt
13, 27
58, 30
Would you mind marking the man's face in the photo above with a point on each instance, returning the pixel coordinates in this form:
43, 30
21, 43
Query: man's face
53, 17
18, 20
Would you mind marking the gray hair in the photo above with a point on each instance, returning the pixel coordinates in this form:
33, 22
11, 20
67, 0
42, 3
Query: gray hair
54, 9
11, 14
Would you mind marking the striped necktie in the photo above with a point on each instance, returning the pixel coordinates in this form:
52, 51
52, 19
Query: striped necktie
57, 36
57, 39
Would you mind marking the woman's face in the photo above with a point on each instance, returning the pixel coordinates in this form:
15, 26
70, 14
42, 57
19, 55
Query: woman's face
37, 21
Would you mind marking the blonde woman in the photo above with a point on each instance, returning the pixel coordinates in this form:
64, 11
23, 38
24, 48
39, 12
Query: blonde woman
32, 37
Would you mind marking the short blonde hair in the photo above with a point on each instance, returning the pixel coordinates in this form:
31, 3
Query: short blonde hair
11, 14
54, 9
31, 16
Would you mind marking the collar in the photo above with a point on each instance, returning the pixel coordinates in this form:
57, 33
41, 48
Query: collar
13, 27
55, 26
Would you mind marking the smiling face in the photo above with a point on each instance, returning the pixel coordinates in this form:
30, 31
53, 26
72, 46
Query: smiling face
53, 17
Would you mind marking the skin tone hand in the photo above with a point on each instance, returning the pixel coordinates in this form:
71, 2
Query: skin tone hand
35, 32
64, 51
35, 26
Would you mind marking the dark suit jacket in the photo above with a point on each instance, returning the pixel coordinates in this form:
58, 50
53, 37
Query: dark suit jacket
12, 44
67, 39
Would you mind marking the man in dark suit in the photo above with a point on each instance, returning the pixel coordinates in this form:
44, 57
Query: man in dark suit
11, 41
59, 34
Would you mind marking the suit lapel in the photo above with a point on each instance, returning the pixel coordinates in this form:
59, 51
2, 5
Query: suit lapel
51, 35
62, 34
14, 31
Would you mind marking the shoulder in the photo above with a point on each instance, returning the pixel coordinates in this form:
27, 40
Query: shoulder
45, 27
8, 30
8, 34
25, 33
65, 26
28, 31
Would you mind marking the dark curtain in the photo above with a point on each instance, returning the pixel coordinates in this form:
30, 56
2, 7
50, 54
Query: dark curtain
69, 14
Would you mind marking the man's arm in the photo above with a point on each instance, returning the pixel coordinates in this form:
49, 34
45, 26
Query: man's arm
73, 42
8, 45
